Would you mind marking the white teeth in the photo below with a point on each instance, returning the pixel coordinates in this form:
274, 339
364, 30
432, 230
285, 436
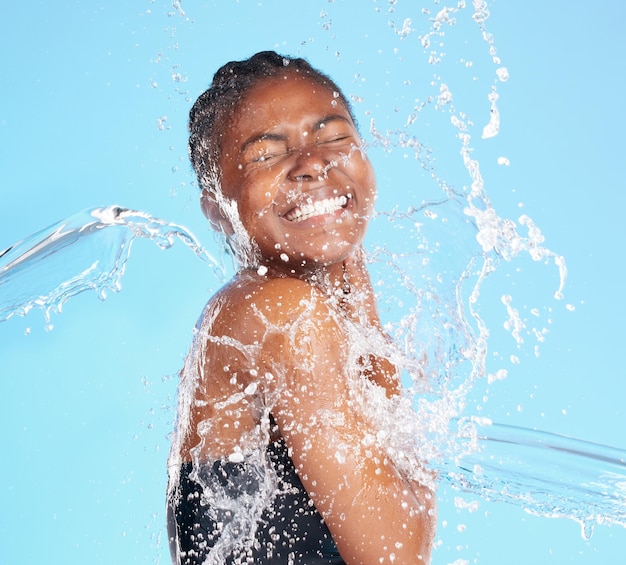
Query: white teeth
317, 208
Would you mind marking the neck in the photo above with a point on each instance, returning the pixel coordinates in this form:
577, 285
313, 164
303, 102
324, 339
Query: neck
328, 278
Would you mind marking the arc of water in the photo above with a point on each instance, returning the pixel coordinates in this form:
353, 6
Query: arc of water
547, 474
87, 251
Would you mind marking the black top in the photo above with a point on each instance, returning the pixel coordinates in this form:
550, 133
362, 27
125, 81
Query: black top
291, 530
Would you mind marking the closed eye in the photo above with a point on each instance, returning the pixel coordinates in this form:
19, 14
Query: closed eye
336, 132
265, 157
338, 139
264, 150
342, 144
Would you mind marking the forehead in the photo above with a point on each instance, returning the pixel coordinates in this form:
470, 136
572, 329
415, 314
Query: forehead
289, 97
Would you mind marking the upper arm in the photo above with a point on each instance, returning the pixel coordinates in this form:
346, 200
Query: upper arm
369, 508
222, 411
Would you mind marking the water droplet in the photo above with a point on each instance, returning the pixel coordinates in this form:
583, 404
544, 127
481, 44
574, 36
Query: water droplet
161, 123
586, 530
503, 74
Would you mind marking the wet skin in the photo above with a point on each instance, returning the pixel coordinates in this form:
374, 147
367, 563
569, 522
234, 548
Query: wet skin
280, 337
291, 144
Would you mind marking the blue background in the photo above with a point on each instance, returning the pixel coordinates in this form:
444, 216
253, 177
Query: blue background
94, 103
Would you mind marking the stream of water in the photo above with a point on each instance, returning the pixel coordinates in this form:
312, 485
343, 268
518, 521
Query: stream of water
546, 474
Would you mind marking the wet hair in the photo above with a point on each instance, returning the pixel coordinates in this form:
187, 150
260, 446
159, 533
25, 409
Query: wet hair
211, 112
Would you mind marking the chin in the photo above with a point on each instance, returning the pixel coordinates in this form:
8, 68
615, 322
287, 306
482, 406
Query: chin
327, 260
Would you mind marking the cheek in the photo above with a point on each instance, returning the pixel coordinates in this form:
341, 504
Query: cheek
368, 180
263, 185
263, 200
257, 200
262, 210
360, 167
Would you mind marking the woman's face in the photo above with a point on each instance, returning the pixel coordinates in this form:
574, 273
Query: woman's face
291, 159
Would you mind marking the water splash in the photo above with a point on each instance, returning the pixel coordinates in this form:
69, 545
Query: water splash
430, 289
87, 251
549, 475
90, 251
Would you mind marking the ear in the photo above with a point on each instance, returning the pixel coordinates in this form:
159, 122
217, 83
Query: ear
213, 213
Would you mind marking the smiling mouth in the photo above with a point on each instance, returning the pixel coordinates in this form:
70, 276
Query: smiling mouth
317, 208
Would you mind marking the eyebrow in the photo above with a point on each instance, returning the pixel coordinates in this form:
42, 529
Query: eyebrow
261, 137
282, 137
332, 118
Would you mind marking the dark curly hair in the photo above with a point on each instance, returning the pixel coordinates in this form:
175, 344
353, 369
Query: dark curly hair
216, 105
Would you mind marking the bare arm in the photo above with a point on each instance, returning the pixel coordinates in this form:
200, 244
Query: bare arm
361, 306
373, 513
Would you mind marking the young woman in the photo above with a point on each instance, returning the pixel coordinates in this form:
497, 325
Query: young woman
277, 458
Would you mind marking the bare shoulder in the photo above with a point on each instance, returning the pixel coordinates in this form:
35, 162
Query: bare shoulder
252, 327
250, 306
276, 326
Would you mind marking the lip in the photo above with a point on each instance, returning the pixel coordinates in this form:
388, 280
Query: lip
318, 207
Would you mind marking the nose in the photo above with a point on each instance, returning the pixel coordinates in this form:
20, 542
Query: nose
309, 164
